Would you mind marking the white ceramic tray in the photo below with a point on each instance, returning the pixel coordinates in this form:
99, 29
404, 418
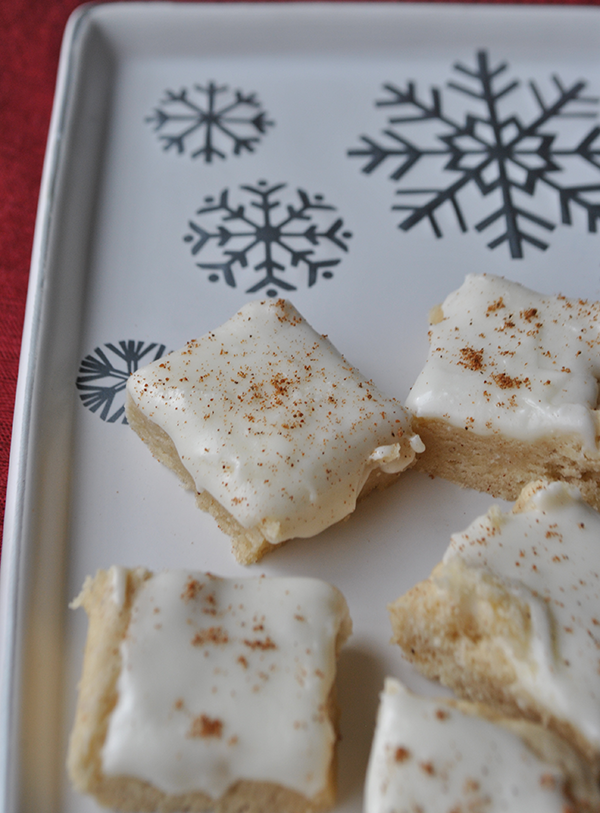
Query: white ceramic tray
369, 130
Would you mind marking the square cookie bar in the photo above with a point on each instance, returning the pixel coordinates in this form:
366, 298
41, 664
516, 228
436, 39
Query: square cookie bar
509, 391
444, 756
271, 427
204, 693
511, 615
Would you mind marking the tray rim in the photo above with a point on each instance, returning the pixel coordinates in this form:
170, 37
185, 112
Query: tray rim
13, 552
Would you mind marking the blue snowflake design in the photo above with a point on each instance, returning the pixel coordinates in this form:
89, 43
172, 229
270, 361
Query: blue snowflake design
103, 376
494, 151
274, 234
209, 121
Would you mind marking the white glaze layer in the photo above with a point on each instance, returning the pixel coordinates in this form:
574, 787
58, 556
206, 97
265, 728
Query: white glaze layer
507, 359
548, 556
226, 679
119, 585
429, 757
273, 422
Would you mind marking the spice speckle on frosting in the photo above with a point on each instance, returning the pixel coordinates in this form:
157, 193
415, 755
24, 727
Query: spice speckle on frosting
204, 726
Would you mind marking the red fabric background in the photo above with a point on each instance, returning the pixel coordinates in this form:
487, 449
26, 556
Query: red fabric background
29, 48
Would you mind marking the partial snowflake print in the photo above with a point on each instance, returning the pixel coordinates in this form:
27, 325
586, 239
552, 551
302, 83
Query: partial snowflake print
209, 122
515, 161
272, 234
103, 376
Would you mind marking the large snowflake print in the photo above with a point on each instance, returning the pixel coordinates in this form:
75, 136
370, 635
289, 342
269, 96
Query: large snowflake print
209, 121
507, 149
274, 234
103, 375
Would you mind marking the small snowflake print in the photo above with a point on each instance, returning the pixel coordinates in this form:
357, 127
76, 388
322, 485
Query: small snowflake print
526, 152
272, 235
209, 121
103, 376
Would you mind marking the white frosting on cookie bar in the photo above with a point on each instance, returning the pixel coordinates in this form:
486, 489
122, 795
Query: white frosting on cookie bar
548, 556
504, 359
273, 422
428, 756
225, 679
119, 585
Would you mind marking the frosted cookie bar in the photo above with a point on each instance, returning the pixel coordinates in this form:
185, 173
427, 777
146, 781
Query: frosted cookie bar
272, 428
441, 756
511, 616
509, 391
205, 693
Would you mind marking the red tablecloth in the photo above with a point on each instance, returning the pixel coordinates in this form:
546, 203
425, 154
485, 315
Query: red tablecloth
29, 48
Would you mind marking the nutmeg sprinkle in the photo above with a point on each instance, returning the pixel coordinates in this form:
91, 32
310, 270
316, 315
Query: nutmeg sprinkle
204, 726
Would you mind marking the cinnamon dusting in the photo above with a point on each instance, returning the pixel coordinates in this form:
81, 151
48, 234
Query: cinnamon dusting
471, 359
191, 589
212, 635
204, 727
264, 644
